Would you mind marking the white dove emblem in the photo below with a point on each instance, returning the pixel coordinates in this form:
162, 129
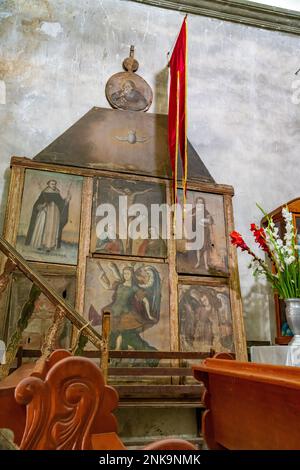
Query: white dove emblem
132, 138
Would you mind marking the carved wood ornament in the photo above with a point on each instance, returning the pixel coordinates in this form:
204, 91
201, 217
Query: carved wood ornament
127, 90
62, 408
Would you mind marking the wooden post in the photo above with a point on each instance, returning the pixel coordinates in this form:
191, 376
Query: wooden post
5, 276
234, 288
53, 331
105, 348
173, 285
84, 247
13, 206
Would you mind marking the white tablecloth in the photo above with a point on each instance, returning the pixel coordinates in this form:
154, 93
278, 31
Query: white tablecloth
269, 354
278, 355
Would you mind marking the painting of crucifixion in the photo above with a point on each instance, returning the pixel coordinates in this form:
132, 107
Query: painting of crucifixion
128, 198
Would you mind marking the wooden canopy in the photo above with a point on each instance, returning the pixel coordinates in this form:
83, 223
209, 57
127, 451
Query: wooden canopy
123, 141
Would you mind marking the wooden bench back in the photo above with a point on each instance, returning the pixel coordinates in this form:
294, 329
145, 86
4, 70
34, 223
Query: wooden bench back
37, 393
9, 407
250, 406
69, 407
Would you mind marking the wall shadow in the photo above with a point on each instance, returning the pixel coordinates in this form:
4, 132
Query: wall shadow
259, 312
161, 117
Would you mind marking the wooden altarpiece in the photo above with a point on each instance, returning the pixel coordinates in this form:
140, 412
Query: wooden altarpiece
105, 154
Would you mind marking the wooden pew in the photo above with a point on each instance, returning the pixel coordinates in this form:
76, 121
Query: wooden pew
250, 406
9, 407
69, 407
26, 386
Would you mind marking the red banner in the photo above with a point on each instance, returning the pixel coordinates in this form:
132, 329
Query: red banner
177, 117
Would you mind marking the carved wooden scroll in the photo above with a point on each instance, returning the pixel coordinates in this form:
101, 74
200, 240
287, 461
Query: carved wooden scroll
65, 407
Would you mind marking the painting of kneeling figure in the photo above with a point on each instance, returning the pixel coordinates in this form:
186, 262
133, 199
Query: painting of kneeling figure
205, 318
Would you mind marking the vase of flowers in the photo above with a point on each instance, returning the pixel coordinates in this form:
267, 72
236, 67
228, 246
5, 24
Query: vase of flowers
284, 275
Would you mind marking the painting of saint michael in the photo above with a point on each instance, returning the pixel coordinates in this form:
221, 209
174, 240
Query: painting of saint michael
49, 220
136, 295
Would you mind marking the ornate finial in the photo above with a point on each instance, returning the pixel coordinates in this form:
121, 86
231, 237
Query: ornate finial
127, 90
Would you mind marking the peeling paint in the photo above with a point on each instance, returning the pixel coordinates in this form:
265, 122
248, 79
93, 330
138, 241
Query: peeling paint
13, 68
51, 29
4, 15
31, 25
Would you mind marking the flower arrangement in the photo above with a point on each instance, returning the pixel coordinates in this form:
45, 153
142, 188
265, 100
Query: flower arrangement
283, 254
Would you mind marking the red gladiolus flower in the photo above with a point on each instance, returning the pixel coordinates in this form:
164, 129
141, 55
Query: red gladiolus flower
260, 238
237, 240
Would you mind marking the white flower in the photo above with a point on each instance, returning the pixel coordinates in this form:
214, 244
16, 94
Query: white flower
257, 268
275, 232
289, 228
290, 260
287, 215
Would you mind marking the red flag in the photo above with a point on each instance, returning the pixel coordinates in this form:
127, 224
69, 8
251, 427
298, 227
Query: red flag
177, 117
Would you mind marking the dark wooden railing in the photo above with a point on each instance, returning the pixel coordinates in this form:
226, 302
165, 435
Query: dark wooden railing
62, 309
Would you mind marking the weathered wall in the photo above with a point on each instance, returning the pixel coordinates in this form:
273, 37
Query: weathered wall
291, 4
56, 57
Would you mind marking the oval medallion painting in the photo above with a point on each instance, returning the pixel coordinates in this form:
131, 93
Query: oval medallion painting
128, 91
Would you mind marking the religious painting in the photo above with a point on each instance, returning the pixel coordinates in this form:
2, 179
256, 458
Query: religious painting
137, 296
50, 217
202, 249
125, 220
129, 92
205, 320
43, 314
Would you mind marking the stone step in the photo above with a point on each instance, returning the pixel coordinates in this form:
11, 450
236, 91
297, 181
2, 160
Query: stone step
136, 443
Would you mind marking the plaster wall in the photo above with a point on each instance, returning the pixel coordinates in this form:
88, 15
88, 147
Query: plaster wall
290, 4
56, 56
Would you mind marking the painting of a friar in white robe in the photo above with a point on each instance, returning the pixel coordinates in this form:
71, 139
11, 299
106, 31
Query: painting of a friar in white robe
49, 216
50, 219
